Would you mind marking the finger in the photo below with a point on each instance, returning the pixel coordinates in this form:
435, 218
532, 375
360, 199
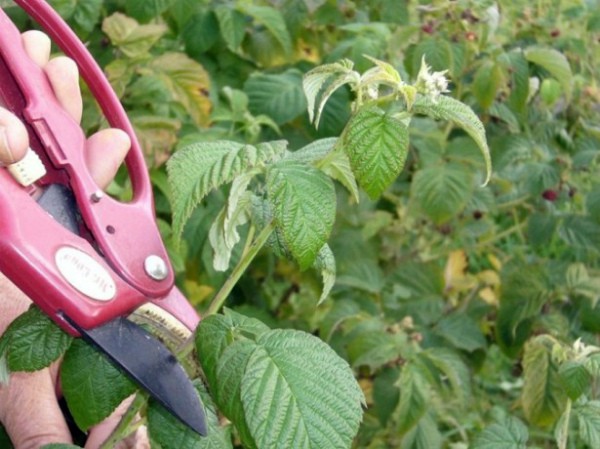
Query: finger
99, 434
37, 45
13, 138
30, 413
64, 78
105, 151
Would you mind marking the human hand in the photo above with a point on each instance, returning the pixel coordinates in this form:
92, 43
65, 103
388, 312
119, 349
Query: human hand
29, 408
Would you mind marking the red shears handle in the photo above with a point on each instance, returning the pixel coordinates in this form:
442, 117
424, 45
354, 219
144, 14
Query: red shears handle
62, 272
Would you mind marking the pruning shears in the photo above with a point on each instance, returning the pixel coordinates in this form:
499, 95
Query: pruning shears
87, 260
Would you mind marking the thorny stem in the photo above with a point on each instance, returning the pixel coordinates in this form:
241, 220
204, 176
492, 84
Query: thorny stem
250, 251
127, 425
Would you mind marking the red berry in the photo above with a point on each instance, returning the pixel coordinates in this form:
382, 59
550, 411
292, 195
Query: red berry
550, 195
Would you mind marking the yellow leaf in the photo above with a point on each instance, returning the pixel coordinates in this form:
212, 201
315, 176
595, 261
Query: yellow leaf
454, 273
197, 293
187, 82
489, 296
489, 277
157, 136
495, 262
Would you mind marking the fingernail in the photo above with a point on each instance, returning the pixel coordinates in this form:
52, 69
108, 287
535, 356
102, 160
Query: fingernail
6, 155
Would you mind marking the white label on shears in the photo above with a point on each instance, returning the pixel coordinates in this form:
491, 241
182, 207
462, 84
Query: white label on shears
85, 274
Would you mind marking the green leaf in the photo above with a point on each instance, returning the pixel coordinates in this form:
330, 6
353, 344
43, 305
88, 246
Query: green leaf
199, 168
447, 108
280, 96
322, 81
510, 434
580, 232
461, 331
325, 263
304, 204
187, 81
129, 36
33, 341
524, 292
575, 379
377, 145
223, 235
450, 370
170, 433
200, 33
297, 392
325, 156
216, 332
233, 26
487, 81
87, 14
273, 21
92, 386
588, 420
554, 62
386, 394
425, 435
373, 346
542, 397
442, 191
144, 10
230, 372
413, 398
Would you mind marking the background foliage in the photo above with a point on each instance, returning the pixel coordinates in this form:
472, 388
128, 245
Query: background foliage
468, 314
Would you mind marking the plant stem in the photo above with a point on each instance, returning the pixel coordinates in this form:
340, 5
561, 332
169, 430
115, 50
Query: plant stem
127, 425
563, 436
250, 251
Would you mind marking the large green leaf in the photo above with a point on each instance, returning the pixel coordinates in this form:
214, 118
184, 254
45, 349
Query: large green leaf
216, 332
199, 168
230, 373
447, 108
280, 96
442, 191
304, 203
377, 145
33, 341
509, 434
542, 397
92, 386
297, 392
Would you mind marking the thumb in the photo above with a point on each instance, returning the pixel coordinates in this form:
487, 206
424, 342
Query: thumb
30, 412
